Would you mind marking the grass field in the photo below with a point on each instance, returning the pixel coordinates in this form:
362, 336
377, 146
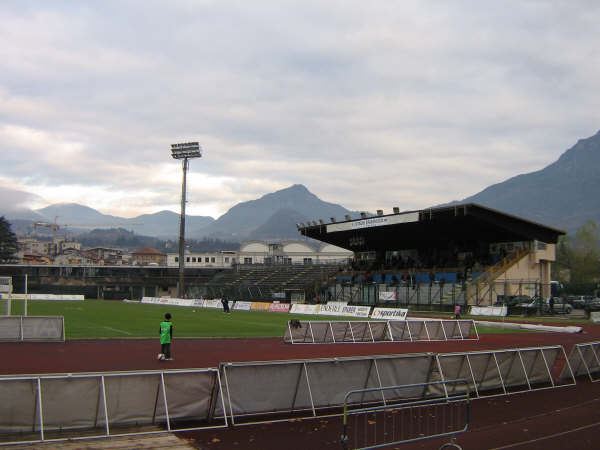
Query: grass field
92, 319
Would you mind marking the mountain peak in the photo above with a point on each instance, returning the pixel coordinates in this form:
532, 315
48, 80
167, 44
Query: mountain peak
563, 194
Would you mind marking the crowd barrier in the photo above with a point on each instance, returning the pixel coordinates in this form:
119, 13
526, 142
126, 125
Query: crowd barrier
327, 332
77, 406
32, 328
72, 406
508, 371
584, 360
369, 427
306, 388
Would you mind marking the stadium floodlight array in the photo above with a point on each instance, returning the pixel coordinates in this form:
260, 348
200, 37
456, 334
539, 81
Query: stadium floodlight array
584, 360
360, 331
32, 328
92, 405
186, 150
507, 371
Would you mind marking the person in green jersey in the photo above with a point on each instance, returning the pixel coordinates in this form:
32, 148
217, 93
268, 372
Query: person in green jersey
166, 336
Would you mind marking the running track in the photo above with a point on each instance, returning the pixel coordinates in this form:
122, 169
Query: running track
562, 418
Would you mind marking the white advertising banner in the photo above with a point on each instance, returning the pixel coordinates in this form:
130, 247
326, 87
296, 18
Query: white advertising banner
387, 296
242, 306
169, 301
331, 309
214, 303
338, 309
389, 313
489, 310
374, 222
356, 311
337, 303
63, 297
300, 308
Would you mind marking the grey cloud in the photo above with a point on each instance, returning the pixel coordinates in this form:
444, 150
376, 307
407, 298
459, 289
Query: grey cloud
422, 102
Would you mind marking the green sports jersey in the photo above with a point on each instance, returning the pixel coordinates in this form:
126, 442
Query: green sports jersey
165, 332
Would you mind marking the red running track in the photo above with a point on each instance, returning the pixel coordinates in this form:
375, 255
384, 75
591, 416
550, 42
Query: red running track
140, 354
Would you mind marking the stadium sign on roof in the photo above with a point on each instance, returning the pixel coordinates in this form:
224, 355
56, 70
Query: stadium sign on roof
470, 225
373, 222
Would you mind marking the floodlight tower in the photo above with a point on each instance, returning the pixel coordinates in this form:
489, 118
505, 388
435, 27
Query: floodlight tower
183, 151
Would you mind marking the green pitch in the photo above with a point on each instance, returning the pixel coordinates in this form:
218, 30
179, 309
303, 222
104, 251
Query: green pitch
93, 319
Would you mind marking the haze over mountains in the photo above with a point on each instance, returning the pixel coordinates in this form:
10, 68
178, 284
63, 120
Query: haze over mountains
565, 194
273, 216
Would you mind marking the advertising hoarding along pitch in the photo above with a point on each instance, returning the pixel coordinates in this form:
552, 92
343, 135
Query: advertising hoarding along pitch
389, 313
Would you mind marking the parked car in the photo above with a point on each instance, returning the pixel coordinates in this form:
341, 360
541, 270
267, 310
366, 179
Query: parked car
541, 306
512, 300
579, 301
592, 305
531, 306
561, 306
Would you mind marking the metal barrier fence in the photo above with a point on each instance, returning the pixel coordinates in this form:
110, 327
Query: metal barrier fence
32, 328
331, 332
81, 406
508, 371
584, 360
430, 415
313, 387
78, 406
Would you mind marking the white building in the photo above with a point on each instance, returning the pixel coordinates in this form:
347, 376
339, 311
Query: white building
260, 252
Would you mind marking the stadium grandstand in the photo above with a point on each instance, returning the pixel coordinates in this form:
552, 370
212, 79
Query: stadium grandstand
461, 254
433, 258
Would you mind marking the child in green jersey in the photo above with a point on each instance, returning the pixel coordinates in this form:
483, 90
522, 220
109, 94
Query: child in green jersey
166, 336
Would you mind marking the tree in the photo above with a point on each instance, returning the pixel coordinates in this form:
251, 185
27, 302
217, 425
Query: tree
8, 242
578, 256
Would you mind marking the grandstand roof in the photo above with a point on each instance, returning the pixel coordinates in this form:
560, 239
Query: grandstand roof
429, 228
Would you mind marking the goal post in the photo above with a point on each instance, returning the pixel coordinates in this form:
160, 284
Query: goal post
5, 295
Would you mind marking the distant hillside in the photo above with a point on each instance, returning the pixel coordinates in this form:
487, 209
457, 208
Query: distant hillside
118, 238
564, 194
247, 218
281, 225
163, 224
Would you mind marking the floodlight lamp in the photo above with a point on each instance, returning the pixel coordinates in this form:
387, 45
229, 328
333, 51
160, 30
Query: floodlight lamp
186, 150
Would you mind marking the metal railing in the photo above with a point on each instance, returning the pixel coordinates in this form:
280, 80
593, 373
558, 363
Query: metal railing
406, 413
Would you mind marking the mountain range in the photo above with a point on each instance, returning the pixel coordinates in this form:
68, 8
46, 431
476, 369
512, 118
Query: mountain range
273, 216
565, 194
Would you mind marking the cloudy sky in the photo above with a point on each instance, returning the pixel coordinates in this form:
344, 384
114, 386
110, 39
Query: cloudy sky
368, 104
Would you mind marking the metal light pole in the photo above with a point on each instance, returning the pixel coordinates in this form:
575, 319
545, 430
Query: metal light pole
184, 151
